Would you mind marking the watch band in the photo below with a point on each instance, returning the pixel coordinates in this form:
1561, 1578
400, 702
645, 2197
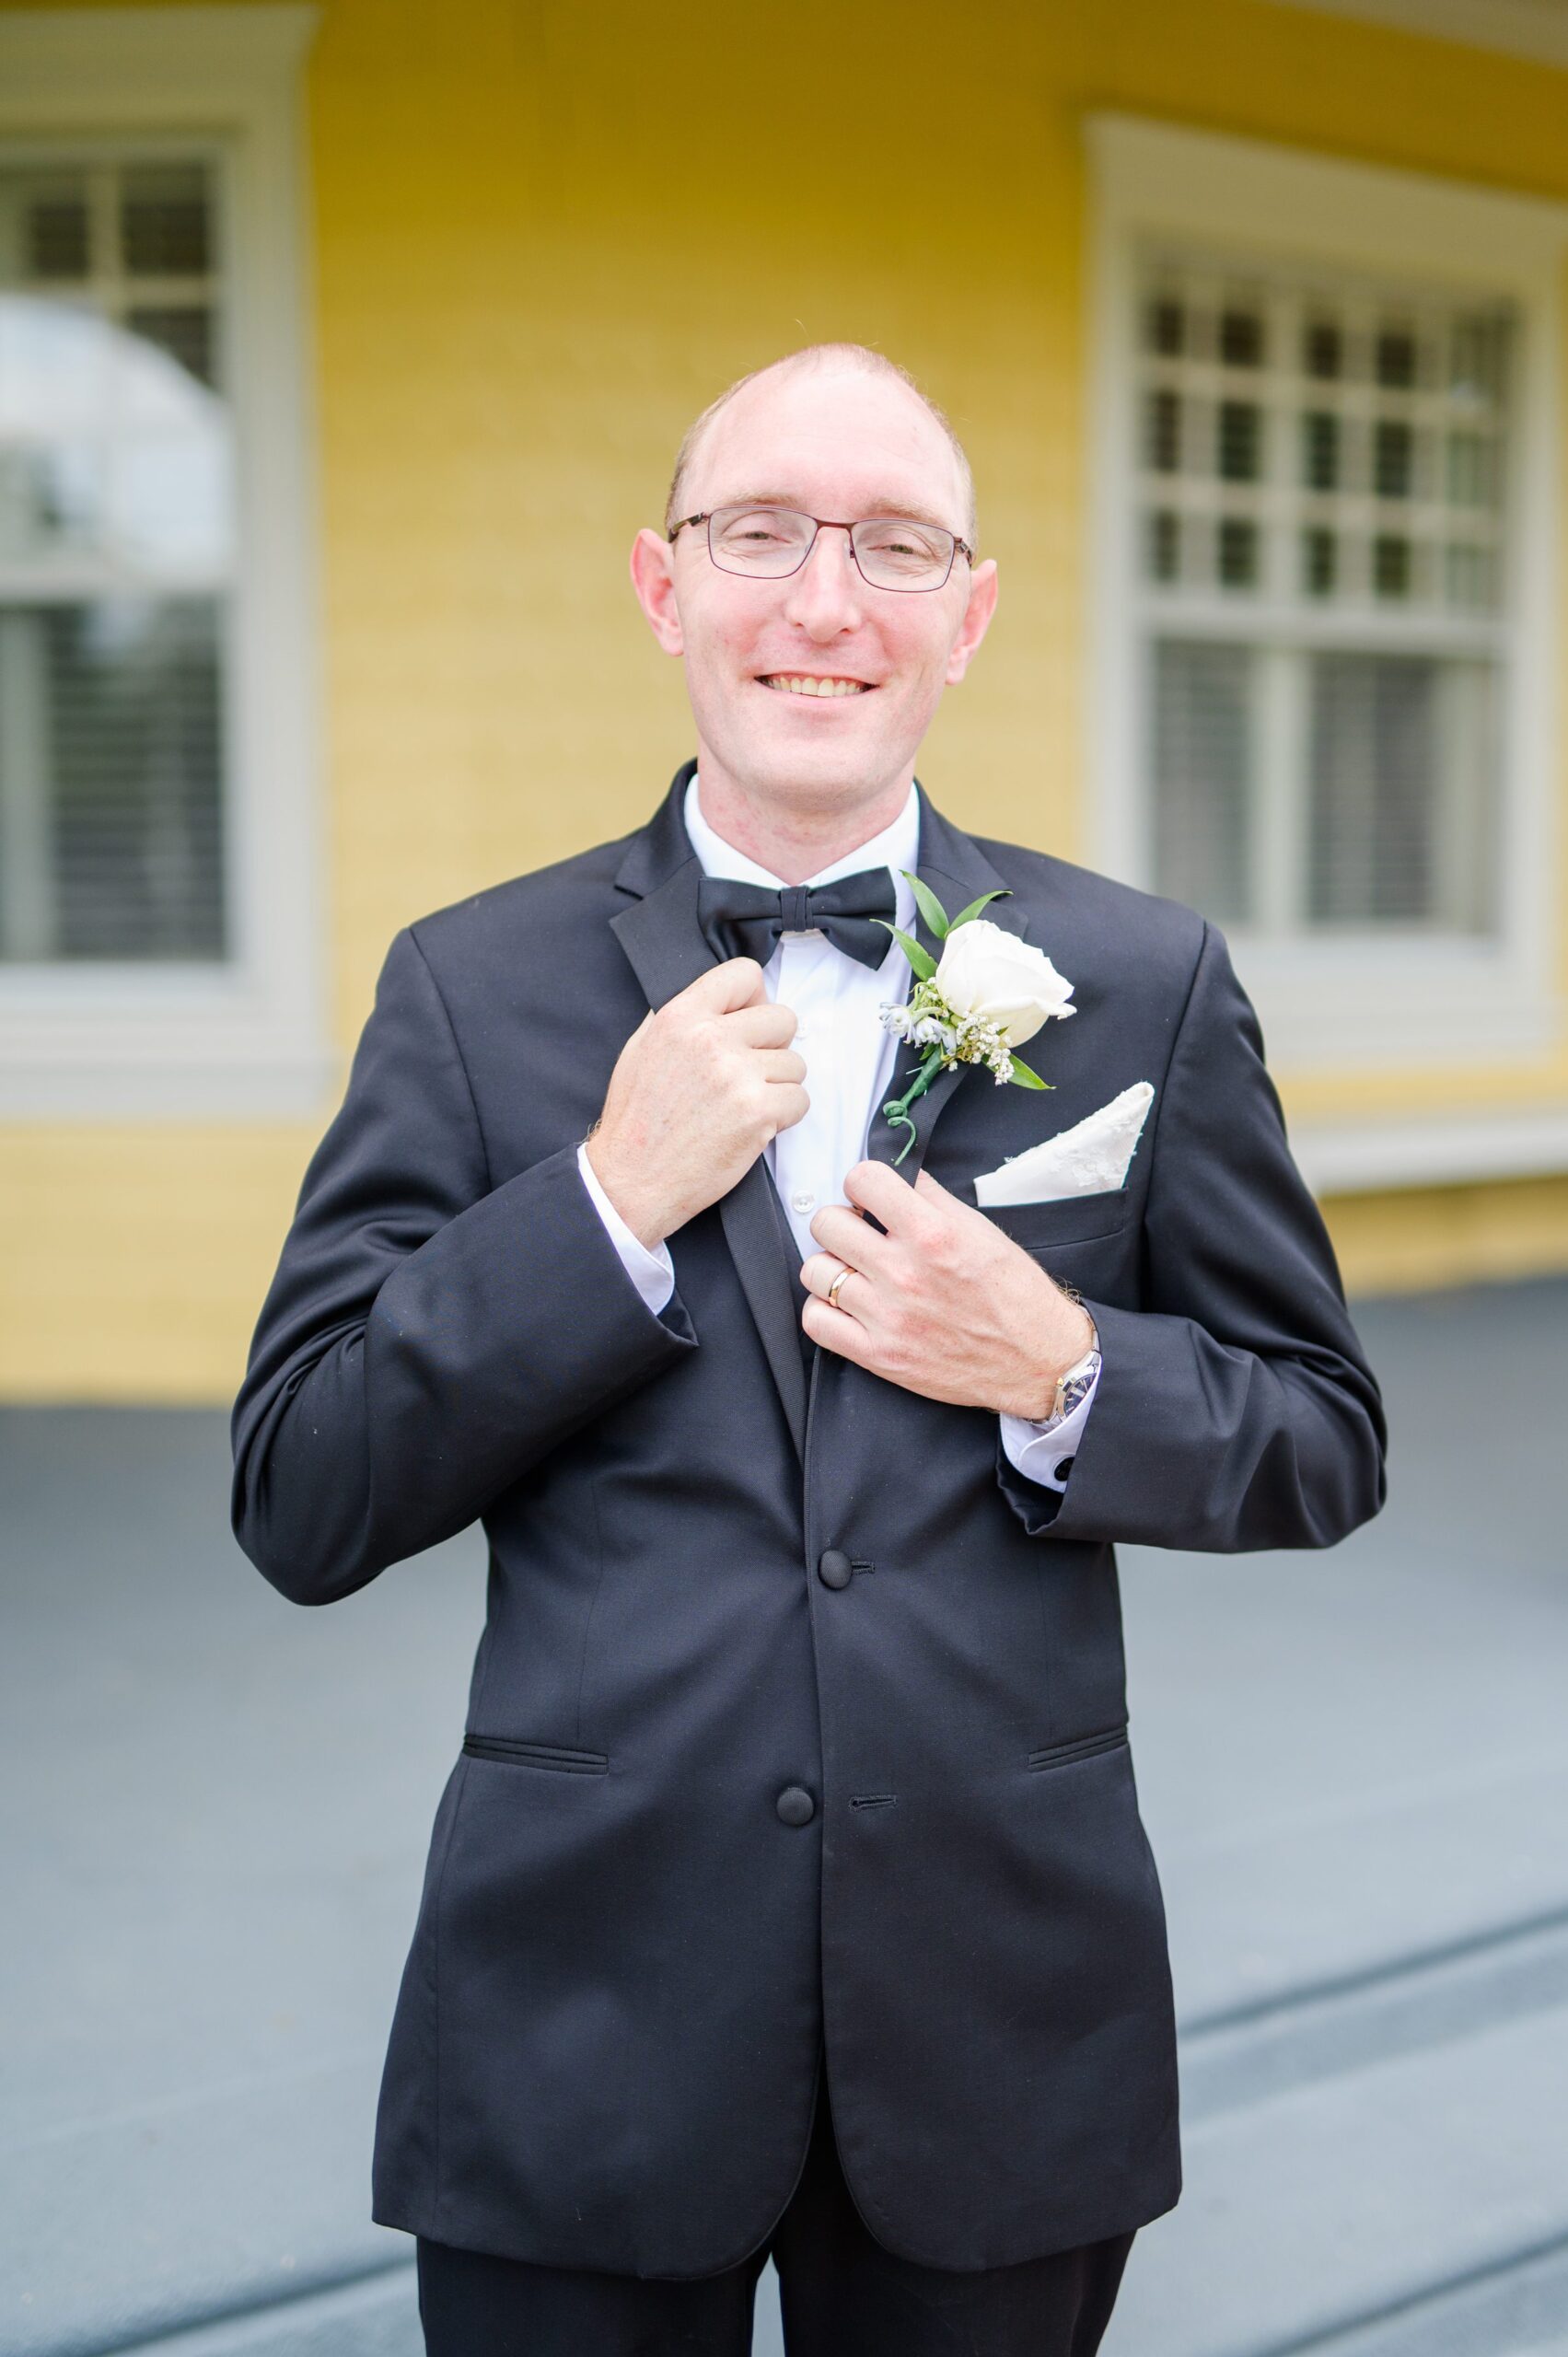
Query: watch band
1075, 1381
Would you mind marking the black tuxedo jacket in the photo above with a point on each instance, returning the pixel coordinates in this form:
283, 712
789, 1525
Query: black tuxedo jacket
630, 1947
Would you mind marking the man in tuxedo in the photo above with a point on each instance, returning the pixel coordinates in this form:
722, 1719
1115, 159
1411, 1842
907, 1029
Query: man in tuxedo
790, 1892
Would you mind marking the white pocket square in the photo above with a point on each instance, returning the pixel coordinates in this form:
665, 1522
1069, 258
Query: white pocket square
1085, 1160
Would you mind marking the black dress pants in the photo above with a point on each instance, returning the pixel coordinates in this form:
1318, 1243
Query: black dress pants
842, 2294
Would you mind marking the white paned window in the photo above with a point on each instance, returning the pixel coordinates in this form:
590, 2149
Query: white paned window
158, 883
117, 554
1321, 464
1326, 412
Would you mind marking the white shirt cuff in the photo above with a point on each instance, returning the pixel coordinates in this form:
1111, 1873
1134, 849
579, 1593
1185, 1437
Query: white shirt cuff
1045, 1454
653, 1273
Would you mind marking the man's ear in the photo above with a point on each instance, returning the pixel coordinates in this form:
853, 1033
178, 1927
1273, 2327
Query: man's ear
653, 578
975, 622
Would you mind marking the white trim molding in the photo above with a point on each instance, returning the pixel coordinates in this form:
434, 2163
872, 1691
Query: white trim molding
247, 1037
1360, 1000
1368, 1155
1534, 29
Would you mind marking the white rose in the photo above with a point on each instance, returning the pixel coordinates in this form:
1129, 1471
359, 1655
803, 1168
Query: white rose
990, 973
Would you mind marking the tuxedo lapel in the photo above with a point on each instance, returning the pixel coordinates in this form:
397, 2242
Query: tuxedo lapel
660, 934
958, 871
659, 930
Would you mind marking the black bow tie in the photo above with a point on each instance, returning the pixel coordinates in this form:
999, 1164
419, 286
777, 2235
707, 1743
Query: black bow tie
746, 920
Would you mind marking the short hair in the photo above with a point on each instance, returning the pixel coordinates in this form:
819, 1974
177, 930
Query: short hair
858, 356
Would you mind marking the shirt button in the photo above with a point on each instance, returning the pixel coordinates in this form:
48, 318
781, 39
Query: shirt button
1063, 1466
796, 1806
801, 1200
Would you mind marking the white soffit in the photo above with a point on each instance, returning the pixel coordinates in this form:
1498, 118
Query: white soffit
1537, 28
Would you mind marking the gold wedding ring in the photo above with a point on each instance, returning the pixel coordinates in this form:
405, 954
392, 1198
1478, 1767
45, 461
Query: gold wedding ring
832, 1296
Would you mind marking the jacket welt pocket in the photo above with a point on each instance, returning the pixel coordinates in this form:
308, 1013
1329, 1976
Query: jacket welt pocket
1073, 1219
557, 1757
1082, 1747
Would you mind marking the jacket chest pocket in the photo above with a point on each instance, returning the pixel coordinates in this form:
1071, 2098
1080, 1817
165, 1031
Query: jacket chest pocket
1075, 1219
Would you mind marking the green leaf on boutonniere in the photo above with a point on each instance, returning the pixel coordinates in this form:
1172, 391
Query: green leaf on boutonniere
922, 962
928, 904
1025, 1078
975, 907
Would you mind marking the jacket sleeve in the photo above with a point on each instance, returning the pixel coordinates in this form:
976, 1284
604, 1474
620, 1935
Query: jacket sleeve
1237, 1409
428, 1337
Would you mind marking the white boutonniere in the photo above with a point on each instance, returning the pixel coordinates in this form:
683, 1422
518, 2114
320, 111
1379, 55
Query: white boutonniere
989, 993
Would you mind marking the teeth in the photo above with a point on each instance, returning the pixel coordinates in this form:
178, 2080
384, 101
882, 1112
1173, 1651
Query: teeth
801, 684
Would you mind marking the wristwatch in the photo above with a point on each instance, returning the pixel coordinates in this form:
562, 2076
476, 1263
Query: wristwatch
1075, 1380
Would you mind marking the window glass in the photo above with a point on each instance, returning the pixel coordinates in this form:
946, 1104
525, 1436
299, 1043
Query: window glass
116, 562
1200, 757
1321, 487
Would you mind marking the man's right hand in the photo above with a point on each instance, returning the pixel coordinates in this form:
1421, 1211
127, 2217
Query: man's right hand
697, 1092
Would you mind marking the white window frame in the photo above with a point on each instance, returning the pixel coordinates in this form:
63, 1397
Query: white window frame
1349, 1002
245, 1037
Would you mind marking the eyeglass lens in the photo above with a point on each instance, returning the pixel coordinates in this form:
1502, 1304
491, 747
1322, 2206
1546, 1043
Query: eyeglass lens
892, 552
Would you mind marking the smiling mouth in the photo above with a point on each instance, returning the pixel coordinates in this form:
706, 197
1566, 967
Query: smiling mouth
805, 683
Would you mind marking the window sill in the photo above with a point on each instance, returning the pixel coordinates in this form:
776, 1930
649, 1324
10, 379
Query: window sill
1360, 1003
1447, 1149
120, 1043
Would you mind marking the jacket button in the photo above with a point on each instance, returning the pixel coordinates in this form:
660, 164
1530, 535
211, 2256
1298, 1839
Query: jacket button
796, 1806
834, 1569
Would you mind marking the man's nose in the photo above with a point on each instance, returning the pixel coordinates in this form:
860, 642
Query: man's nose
825, 593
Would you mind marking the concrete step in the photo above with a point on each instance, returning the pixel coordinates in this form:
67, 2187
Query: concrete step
1345, 1762
1482, 2318
1393, 2008
1422, 2193
223, 2198
377, 2317
1284, 1892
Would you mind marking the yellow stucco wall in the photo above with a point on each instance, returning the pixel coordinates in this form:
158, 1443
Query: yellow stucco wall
543, 235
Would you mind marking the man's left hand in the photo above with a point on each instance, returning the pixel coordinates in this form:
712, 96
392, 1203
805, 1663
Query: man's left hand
943, 1303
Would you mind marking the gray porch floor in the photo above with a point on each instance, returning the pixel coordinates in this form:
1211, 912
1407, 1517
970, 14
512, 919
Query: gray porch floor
1354, 1768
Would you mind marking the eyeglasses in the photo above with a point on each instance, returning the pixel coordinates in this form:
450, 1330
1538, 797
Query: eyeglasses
768, 543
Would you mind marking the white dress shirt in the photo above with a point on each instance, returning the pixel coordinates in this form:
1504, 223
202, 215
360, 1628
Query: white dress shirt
849, 1056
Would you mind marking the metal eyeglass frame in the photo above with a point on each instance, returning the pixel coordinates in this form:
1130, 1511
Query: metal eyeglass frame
829, 524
